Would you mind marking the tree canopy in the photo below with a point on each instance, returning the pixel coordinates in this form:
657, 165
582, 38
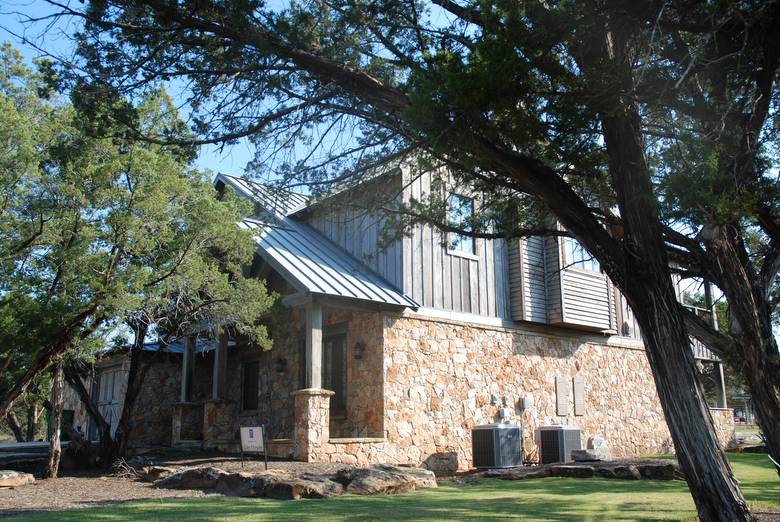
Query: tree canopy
98, 229
646, 128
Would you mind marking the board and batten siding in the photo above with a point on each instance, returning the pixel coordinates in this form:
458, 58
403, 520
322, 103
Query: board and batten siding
358, 231
439, 278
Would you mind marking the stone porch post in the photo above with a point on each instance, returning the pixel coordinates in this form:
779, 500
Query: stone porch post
312, 422
219, 412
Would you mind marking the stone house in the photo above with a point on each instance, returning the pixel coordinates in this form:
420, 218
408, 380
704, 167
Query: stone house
393, 354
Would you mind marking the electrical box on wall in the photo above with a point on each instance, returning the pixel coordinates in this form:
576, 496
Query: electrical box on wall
526, 403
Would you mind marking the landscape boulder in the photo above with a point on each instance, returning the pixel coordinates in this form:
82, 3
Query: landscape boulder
193, 478
155, 473
525, 473
572, 471
589, 455
659, 471
384, 478
14, 479
625, 472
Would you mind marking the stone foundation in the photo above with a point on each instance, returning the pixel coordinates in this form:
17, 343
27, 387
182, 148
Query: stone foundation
443, 378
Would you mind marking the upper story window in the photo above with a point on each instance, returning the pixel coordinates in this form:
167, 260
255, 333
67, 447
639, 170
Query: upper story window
461, 214
578, 257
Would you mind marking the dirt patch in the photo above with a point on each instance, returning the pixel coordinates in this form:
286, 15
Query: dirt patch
80, 491
90, 489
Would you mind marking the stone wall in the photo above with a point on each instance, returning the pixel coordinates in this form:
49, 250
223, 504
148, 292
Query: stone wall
723, 420
441, 378
151, 418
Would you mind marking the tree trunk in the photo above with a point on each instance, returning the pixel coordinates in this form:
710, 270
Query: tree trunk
56, 419
32, 421
135, 378
607, 56
750, 325
712, 483
13, 423
107, 445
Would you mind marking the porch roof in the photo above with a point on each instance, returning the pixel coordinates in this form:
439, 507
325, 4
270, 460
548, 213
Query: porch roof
315, 265
309, 261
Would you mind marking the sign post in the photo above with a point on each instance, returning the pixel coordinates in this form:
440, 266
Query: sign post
253, 441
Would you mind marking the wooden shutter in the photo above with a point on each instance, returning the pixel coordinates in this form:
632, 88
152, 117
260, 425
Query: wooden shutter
579, 395
562, 395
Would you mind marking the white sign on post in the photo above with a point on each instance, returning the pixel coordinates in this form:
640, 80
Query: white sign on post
252, 439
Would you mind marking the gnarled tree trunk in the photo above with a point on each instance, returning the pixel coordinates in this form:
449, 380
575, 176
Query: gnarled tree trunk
13, 423
55, 449
32, 422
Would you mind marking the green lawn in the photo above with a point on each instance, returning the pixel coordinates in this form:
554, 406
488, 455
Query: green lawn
541, 499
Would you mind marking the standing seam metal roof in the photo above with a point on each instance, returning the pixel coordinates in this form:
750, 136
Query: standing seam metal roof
311, 262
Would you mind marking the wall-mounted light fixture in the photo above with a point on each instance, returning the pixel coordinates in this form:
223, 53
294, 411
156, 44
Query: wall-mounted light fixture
280, 364
359, 349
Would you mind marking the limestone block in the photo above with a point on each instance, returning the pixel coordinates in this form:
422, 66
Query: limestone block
14, 479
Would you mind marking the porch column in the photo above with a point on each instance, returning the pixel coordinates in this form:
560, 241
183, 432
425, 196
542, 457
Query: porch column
312, 424
720, 391
314, 345
219, 372
186, 368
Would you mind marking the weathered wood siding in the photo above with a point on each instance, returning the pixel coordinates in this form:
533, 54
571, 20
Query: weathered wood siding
436, 277
358, 231
528, 279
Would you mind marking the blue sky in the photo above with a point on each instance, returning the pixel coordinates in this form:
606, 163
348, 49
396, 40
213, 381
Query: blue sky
50, 36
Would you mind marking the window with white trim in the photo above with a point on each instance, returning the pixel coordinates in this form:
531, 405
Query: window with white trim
461, 213
578, 257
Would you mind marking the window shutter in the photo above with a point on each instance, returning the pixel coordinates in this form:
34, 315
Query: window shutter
579, 395
562, 395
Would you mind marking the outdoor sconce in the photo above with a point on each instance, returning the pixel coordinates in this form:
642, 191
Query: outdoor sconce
280, 364
359, 349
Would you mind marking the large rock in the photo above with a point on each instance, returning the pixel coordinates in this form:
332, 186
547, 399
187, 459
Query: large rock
597, 447
14, 479
278, 484
572, 471
383, 478
658, 471
195, 478
155, 473
590, 455
526, 473
625, 472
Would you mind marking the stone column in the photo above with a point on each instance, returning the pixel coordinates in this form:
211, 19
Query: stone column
312, 423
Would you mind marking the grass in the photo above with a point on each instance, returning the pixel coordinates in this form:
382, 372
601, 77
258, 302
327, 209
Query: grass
540, 499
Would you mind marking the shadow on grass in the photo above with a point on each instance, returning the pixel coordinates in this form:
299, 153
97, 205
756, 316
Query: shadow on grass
540, 499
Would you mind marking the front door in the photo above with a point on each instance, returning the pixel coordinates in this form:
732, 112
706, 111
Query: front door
109, 395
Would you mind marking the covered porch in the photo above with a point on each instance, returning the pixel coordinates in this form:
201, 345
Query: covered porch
319, 390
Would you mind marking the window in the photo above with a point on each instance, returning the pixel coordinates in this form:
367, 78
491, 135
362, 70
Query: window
461, 214
334, 372
250, 377
578, 257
